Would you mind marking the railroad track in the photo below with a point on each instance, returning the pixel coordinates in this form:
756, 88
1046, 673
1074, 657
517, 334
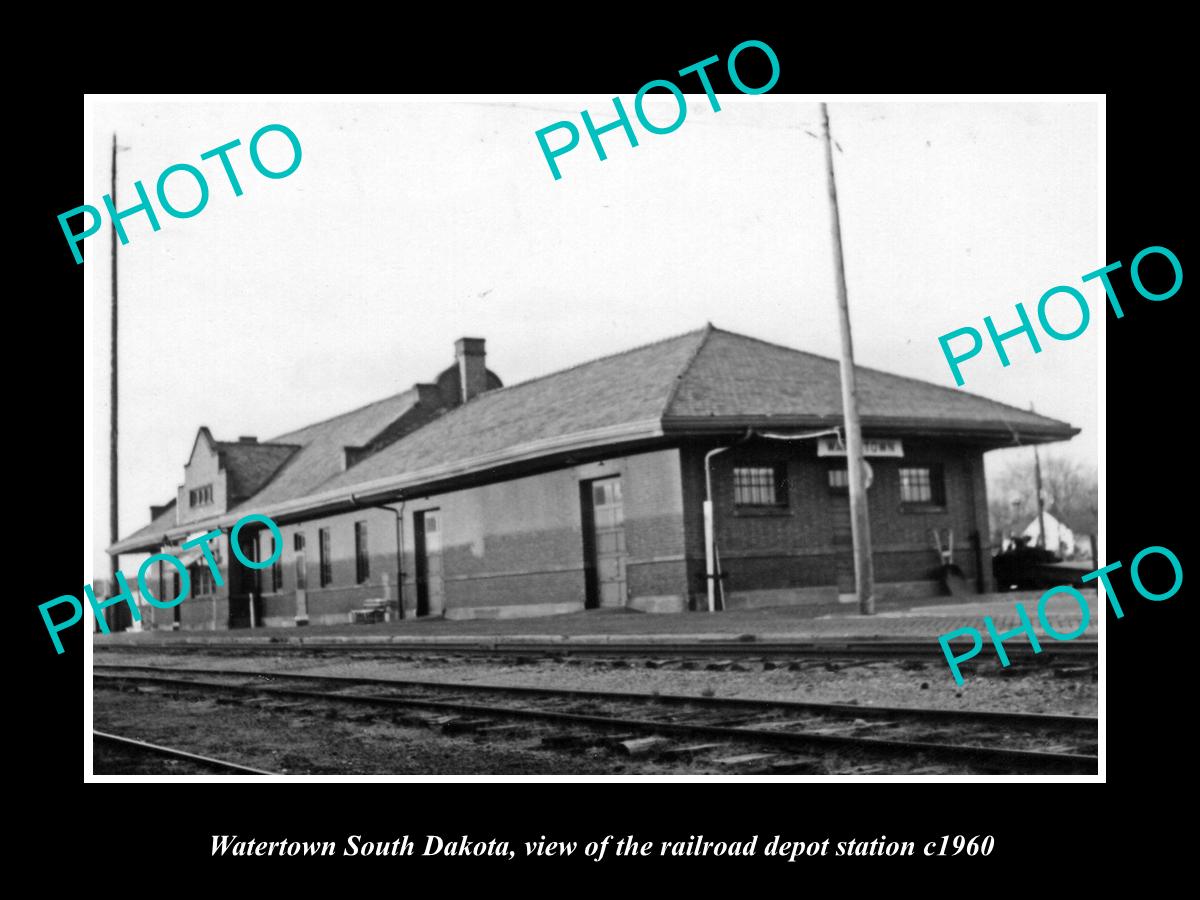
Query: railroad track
129, 745
996, 741
743, 647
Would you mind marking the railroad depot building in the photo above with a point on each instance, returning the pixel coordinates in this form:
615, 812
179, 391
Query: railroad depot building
584, 489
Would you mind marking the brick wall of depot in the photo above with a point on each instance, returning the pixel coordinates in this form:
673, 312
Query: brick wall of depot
279, 608
516, 547
658, 586
334, 602
153, 618
196, 610
793, 548
510, 548
510, 594
197, 613
507, 544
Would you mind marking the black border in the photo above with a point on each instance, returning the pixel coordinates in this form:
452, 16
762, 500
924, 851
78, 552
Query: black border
1146, 442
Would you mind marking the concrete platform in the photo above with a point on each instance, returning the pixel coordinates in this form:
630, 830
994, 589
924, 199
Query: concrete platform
896, 619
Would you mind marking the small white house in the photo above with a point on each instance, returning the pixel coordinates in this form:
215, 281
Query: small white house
1059, 538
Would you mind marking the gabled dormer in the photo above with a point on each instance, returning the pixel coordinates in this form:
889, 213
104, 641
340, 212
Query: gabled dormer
203, 492
221, 474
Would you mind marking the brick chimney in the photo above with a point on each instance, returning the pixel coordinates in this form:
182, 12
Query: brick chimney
247, 439
472, 372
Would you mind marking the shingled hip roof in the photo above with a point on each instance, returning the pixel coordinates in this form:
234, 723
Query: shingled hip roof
700, 382
323, 446
710, 378
739, 379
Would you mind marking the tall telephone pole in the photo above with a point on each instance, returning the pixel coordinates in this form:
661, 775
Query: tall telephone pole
860, 523
1037, 478
1041, 503
113, 525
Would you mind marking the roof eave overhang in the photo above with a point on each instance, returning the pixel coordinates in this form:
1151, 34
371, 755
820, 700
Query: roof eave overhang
997, 434
486, 467
138, 544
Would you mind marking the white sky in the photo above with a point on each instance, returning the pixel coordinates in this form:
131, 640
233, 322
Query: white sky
409, 225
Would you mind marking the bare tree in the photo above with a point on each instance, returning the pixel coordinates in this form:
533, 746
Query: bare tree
1069, 488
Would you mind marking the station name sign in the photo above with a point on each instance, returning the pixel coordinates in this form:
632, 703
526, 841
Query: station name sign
833, 447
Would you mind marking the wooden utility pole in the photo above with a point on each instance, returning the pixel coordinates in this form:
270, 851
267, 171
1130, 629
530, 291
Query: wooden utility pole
860, 523
113, 524
1037, 479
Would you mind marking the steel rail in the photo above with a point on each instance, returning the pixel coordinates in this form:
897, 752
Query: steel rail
158, 749
979, 755
1021, 719
740, 648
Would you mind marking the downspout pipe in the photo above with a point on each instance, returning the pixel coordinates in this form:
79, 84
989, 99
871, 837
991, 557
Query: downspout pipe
710, 544
399, 514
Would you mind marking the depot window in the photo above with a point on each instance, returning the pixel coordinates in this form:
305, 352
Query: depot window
922, 486
277, 566
760, 486
325, 559
202, 579
200, 496
362, 559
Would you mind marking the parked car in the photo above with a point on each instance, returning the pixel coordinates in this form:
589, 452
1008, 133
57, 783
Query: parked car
1021, 567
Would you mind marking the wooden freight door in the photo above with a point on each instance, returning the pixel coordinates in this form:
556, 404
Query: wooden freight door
431, 589
605, 555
